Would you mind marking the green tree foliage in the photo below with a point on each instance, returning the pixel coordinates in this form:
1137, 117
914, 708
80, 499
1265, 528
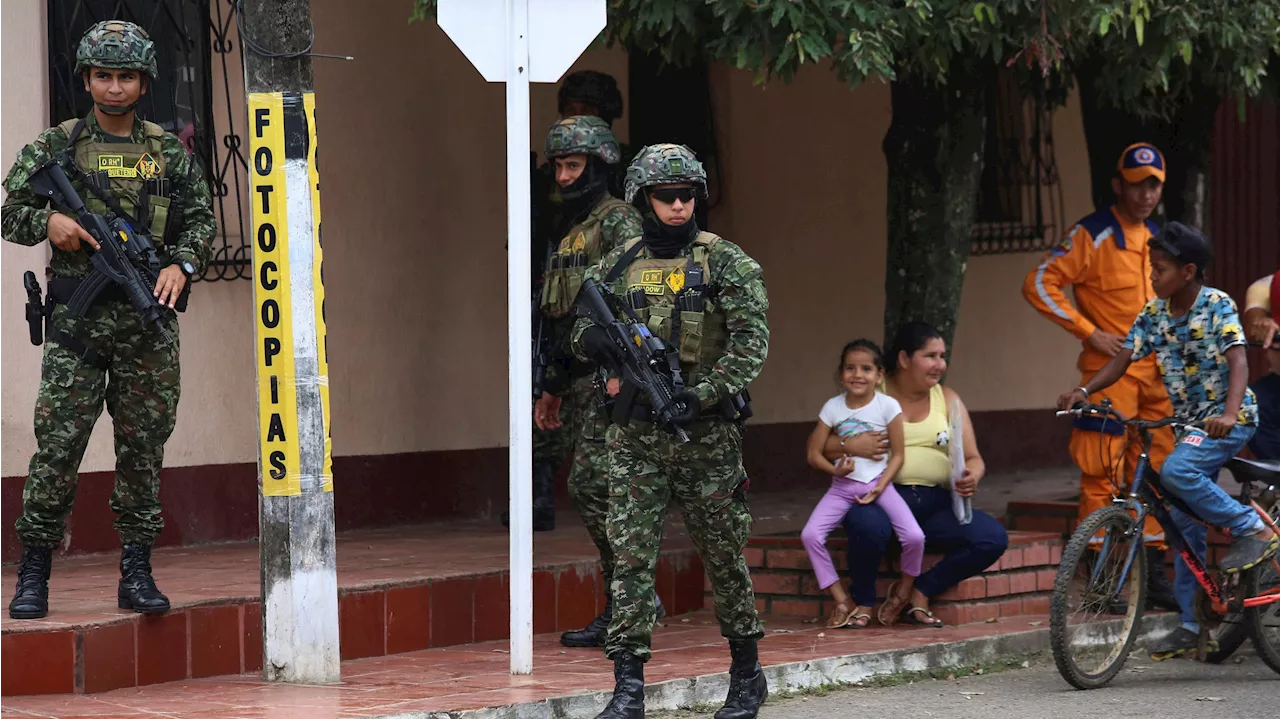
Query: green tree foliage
1156, 59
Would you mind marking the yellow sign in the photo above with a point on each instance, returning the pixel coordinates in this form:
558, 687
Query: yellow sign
580, 242
277, 394
322, 355
675, 280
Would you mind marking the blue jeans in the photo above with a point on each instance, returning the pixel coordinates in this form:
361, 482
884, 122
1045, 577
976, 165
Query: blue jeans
969, 548
1191, 474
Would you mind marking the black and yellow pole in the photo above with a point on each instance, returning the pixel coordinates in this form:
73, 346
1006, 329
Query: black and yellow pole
296, 527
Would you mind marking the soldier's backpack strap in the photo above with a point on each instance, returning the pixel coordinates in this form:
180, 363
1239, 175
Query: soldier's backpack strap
633, 248
72, 129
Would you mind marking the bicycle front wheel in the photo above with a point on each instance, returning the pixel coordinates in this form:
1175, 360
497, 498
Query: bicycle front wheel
1098, 595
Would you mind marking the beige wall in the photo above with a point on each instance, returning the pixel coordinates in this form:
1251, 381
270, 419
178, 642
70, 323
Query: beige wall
823, 245
24, 99
412, 184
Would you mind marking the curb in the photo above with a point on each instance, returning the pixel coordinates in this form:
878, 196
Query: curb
849, 669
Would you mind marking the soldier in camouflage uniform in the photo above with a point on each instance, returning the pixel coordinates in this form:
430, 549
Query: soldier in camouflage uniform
122, 164
584, 153
585, 92
722, 342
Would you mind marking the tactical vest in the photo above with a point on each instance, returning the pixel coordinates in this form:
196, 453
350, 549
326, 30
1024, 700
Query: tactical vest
579, 250
678, 304
132, 174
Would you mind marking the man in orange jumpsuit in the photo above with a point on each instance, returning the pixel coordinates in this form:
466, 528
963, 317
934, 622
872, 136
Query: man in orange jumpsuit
1104, 259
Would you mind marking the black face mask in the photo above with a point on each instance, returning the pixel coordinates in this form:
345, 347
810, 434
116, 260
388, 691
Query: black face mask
666, 241
592, 183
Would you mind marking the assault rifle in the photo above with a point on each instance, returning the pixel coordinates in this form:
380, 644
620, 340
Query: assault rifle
126, 259
541, 336
648, 365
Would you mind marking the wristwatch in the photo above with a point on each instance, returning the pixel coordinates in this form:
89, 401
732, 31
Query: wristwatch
187, 268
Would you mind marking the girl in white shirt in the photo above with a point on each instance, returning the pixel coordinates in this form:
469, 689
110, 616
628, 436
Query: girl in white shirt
860, 408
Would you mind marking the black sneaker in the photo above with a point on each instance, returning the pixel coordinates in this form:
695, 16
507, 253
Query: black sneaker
1179, 642
1248, 552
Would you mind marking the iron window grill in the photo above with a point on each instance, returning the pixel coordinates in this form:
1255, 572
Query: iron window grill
192, 37
1020, 193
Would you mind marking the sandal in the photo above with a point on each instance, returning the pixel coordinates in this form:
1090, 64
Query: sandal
858, 620
840, 617
912, 616
892, 607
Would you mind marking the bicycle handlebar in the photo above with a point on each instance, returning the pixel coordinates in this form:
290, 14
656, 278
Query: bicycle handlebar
1085, 409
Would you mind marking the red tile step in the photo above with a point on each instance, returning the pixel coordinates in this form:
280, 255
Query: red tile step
400, 591
1019, 584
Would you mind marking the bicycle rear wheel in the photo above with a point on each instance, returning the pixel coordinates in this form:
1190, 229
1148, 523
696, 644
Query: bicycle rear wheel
1096, 609
1264, 621
1232, 629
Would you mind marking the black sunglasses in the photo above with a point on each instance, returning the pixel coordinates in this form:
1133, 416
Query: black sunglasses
668, 195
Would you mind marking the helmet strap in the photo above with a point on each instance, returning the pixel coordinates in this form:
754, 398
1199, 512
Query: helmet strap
116, 109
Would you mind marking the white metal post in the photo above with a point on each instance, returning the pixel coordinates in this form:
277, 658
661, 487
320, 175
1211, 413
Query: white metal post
519, 337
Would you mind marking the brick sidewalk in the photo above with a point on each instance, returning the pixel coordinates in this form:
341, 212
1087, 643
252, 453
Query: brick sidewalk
477, 675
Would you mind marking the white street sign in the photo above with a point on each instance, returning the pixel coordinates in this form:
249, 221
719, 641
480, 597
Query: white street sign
518, 42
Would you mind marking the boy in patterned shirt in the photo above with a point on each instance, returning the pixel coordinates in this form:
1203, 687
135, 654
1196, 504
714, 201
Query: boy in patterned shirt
1196, 335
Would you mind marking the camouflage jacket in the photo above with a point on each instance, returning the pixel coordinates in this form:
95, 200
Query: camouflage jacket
742, 300
24, 218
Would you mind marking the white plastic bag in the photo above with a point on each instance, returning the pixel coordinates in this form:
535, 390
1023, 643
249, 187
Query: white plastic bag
962, 506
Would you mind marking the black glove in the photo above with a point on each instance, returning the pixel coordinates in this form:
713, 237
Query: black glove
692, 405
601, 349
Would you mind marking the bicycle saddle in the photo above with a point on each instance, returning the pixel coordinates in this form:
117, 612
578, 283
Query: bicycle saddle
1266, 471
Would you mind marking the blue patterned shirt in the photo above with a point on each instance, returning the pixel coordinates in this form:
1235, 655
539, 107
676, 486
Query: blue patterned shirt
1192, 353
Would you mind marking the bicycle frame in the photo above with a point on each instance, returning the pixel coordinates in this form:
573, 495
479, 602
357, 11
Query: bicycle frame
1144, 493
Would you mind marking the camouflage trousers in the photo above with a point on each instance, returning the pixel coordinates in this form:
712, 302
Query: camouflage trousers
140, 389
584, 428
647, 469
589, 475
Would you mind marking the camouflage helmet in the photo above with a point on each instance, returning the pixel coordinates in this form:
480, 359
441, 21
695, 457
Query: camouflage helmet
583, 135
664, 164
593, 88
116, 44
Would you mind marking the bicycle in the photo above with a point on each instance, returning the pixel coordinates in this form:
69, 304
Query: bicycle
1104, 561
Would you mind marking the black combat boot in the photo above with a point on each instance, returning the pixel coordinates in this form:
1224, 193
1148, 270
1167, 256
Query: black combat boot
594, 633
544, 499
747, 685
137, 587
628, 689
31, 598
1160, 593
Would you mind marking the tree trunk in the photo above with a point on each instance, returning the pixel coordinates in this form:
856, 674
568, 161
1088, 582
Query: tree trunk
934, 152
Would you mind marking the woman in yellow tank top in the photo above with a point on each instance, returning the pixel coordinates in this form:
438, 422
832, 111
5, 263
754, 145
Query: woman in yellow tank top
918, 359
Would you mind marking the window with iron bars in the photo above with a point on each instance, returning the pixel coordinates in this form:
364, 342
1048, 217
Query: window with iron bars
199, 70
1020, 193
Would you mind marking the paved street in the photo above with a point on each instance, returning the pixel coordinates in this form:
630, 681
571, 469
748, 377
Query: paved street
1172, 690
